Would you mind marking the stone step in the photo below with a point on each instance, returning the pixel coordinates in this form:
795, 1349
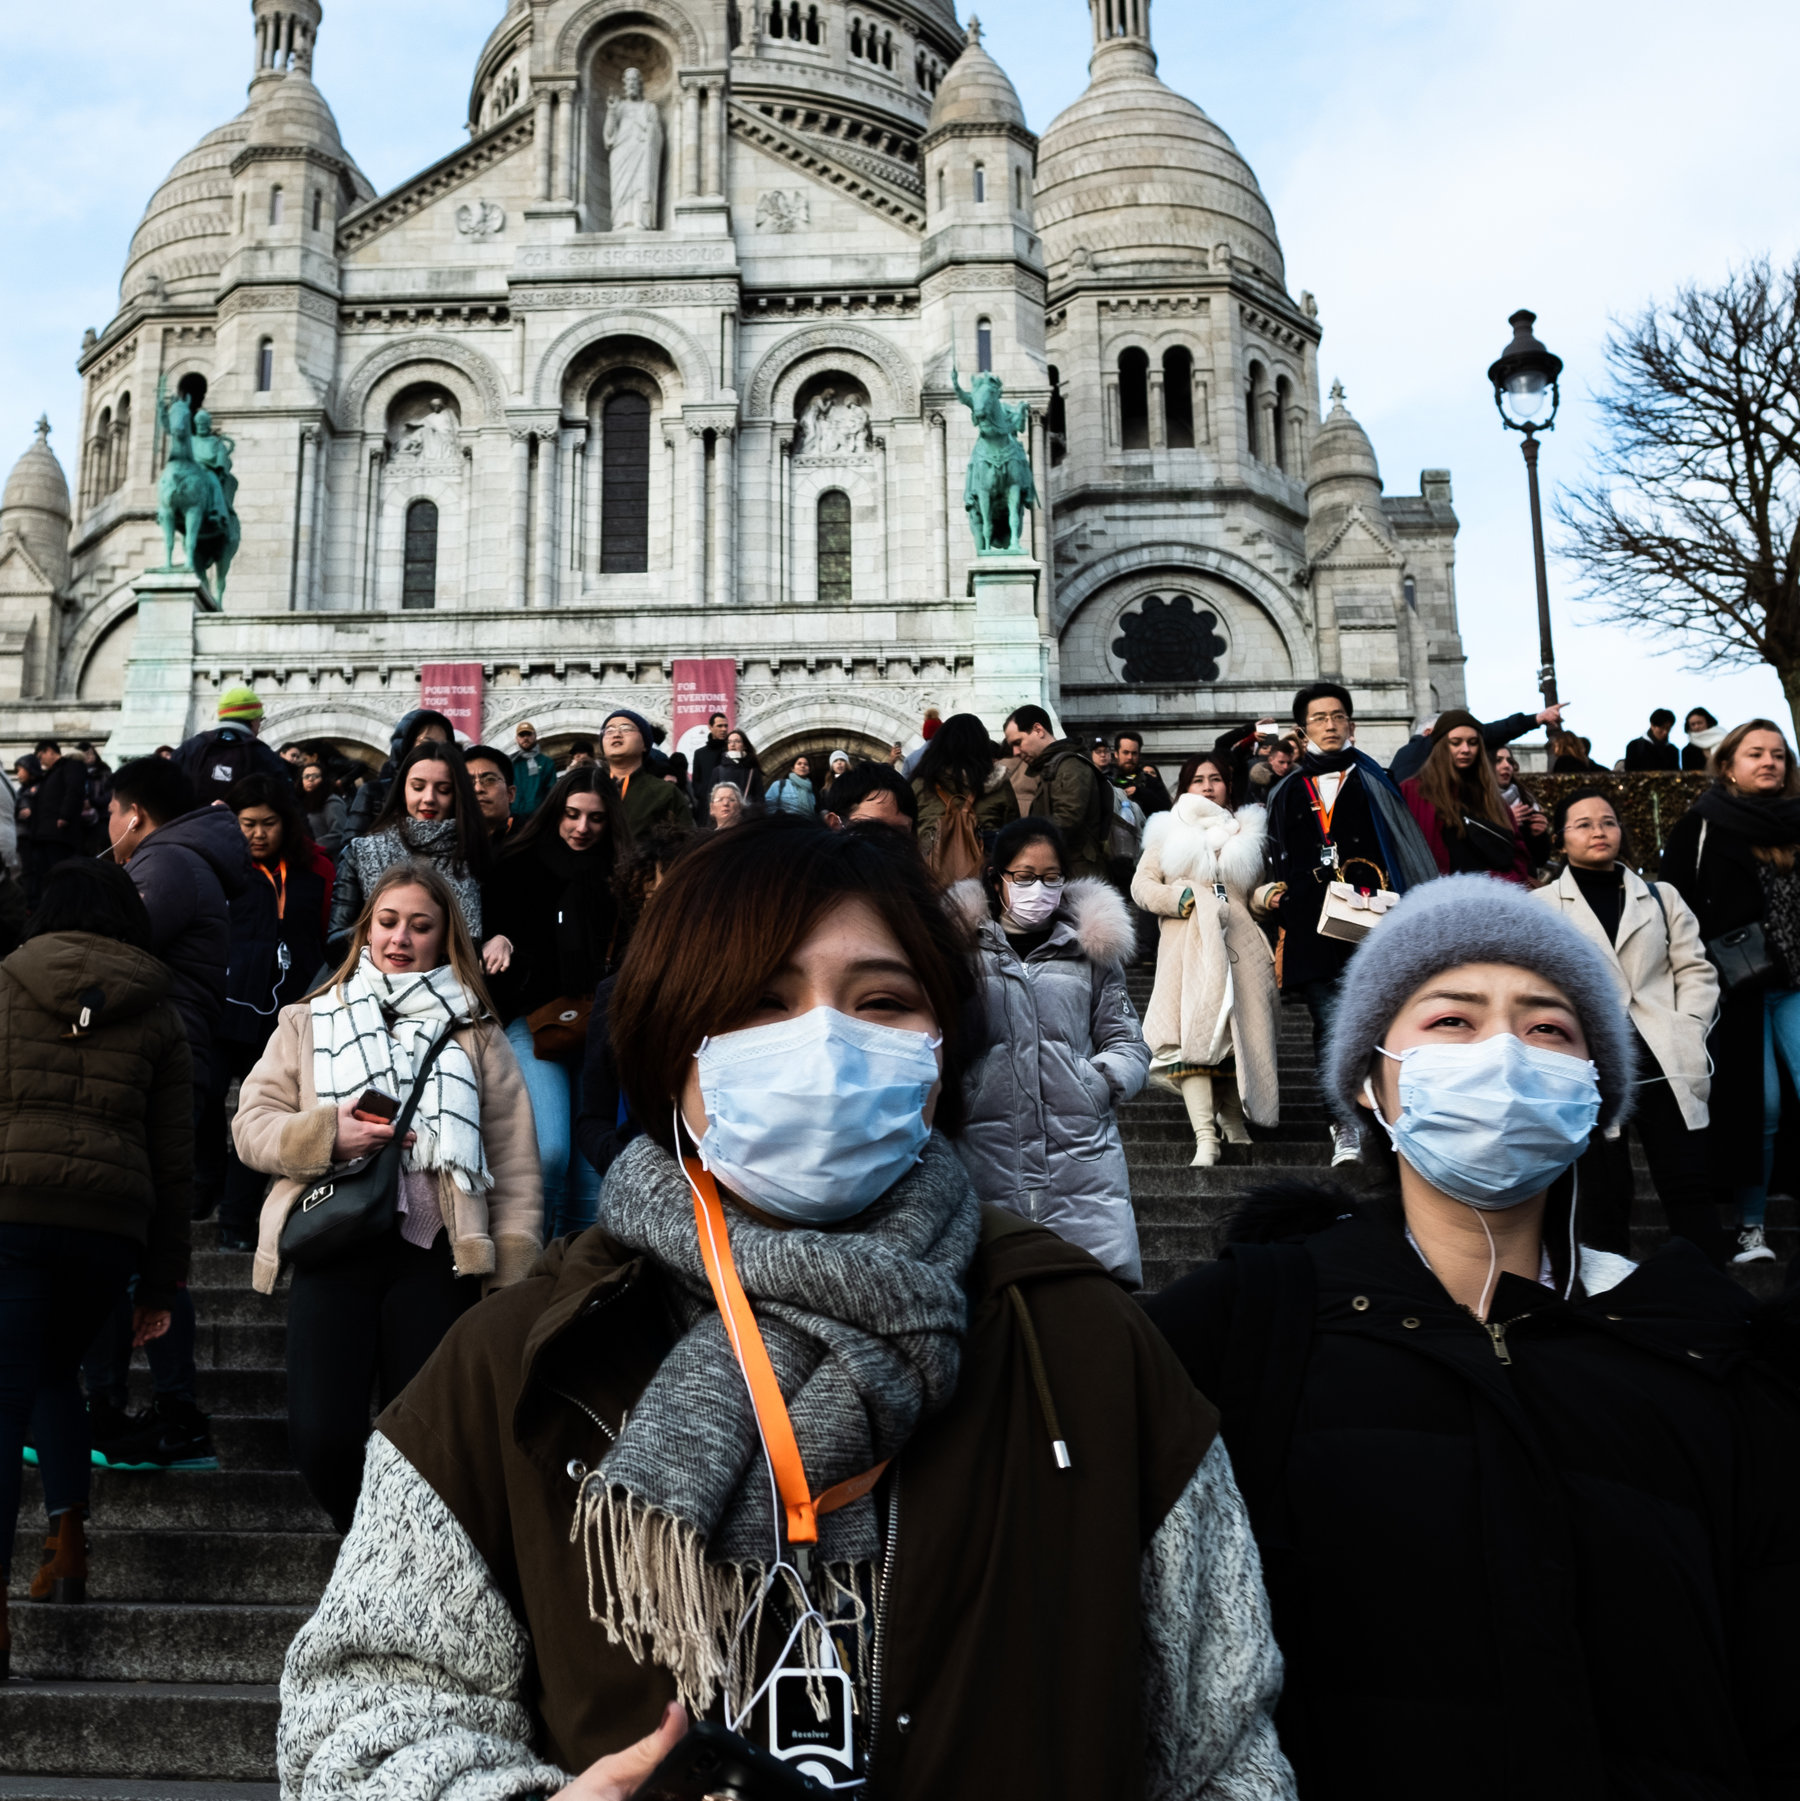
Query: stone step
249, 1441
194, 1732
281, 1569
135, 1641
232, 1303
1166, 1128
122, 1788
259, 1392
194, 1500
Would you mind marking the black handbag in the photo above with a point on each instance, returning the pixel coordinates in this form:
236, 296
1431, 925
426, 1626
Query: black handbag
359, 1202
1743, 958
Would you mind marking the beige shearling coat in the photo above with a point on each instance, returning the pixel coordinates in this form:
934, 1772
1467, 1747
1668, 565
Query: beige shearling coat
1215, 974
1664, 977
283, 1129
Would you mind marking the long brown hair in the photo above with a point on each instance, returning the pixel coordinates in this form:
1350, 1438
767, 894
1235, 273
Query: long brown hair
417, 872
584, 778
472, 850
1453, 792
1779, 856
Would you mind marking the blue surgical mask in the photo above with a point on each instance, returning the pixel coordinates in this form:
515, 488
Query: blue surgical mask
813, 1118
1495, 1122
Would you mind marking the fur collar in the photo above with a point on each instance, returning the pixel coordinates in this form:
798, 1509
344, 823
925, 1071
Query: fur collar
1199, 842
1092, 918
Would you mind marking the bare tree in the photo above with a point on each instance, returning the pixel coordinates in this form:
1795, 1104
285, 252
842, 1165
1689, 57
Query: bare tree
1692, 526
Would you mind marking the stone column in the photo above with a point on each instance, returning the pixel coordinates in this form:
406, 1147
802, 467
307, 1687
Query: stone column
1159, 418
310, 440
937, 505
724, 516
1265, 427
696, 549
544, 148
780, 553
715, 138
690, 140
359, 595
566, 183
1203, 433
372, 582
520, 528
1109, 400
596, 490
159, 673
543, 579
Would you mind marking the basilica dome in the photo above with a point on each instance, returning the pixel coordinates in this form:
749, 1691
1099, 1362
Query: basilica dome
35, 507
976, 91
1133, 179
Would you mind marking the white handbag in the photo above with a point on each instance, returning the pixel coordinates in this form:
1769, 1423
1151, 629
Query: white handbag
1351, 913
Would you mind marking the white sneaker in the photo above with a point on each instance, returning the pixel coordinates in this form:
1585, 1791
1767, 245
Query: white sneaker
1346, 1145
1753, 1247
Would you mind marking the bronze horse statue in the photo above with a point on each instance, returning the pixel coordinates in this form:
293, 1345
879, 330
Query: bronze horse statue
999, 485
195, 492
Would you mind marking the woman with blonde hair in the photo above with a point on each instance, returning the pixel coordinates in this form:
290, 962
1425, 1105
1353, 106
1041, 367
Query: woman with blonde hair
469, 1204
1211, 1021
1733, 857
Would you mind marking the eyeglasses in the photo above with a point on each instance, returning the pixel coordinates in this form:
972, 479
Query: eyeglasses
1340, 717
481, 783
1029, 878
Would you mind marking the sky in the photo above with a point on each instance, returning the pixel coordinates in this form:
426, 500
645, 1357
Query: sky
1432, 165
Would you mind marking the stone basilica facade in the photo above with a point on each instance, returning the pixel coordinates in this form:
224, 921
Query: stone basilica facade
661, 363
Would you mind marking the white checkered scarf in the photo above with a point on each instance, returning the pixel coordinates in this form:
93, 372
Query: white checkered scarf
375, 1031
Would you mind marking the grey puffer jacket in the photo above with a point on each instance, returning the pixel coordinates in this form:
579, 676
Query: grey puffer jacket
1064, 1047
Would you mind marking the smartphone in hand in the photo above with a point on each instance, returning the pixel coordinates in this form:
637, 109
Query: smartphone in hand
373, 1105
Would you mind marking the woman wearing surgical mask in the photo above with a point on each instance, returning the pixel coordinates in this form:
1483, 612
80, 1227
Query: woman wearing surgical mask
1526, 1509
1651, 942
992, 1525
1064, 1045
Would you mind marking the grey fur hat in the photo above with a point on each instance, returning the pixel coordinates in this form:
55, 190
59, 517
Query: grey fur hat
1473, 919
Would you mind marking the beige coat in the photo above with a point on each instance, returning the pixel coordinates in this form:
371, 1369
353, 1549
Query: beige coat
1663, 976
283, 1129
1215, 974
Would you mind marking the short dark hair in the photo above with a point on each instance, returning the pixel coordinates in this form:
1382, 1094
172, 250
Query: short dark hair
86, 895
861, 780
1662, 716
1013, 837
1029, 718
582, 747
713, 719
486, 753
1137, 738
1559, 815
1321, 691
48, 744
695, 968
155, 787
281, 799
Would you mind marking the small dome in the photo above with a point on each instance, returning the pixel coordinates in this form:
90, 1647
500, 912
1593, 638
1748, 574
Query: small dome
1341, 452
976, 91
1134, 178
35, 507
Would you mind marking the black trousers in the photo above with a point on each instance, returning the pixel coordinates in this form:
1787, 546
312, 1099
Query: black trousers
1677, 1159
367, 1321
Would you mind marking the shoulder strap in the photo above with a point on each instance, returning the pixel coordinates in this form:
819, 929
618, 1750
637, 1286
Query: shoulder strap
1656, 895
1700, 850
412, 1100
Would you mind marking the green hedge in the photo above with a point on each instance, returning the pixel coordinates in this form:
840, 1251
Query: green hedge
1649, 805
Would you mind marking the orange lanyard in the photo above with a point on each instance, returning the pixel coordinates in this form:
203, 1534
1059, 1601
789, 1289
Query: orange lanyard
772, 1417
1319, 807
280, 887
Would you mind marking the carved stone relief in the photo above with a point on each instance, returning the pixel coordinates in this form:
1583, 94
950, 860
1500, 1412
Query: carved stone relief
783, 209
485, 219
834, 423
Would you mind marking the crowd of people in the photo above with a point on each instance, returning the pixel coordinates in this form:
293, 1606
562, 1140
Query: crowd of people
694, 1158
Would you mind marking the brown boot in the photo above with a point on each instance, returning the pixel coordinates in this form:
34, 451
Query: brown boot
62, 1576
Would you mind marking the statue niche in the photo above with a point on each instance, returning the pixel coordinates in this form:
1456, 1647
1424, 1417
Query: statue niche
632, 139
834, 422
424, 427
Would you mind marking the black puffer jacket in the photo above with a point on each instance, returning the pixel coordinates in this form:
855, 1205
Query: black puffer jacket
1558, 1561
97, 1131
556, 906
188, 872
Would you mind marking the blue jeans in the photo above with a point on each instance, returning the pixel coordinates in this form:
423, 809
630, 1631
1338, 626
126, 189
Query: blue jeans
571, 1183
1781, 1036
57, 1283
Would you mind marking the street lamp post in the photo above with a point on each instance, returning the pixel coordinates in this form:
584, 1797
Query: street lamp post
1525, 377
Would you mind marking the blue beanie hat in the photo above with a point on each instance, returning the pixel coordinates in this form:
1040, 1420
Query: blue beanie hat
1473, 919
653, 734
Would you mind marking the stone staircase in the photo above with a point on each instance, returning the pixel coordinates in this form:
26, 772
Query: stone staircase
163, 1686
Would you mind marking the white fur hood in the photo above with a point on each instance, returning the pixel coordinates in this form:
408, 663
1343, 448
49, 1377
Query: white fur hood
1098, 920
1197, 841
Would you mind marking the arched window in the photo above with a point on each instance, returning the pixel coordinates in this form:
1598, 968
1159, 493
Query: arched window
418, 587
834, 548
1056, 424
265, 366
1252, 407
275, 204
121, 452
1018, 188
980, 183
812, 25
856, 37
318, 207
625, 484
100, 480
1178, 398
943, 193
984, 344
1282, 391
887, 49
1134, 399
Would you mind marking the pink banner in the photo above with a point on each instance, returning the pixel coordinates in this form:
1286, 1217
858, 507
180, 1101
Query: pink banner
454, 689
703, 686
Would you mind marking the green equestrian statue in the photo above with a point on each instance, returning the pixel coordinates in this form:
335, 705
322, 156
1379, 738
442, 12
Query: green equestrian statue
196, 491
999, 485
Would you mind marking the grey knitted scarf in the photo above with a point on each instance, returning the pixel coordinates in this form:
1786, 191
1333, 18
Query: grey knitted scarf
864, 1327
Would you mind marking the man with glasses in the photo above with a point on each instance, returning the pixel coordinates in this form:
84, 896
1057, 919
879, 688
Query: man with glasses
533, 774
491, 776
1336, 818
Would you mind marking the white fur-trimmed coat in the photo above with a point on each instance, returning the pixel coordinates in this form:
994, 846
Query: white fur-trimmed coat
1215, 974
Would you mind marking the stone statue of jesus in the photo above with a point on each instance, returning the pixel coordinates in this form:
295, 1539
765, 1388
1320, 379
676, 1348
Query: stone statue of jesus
634, 141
